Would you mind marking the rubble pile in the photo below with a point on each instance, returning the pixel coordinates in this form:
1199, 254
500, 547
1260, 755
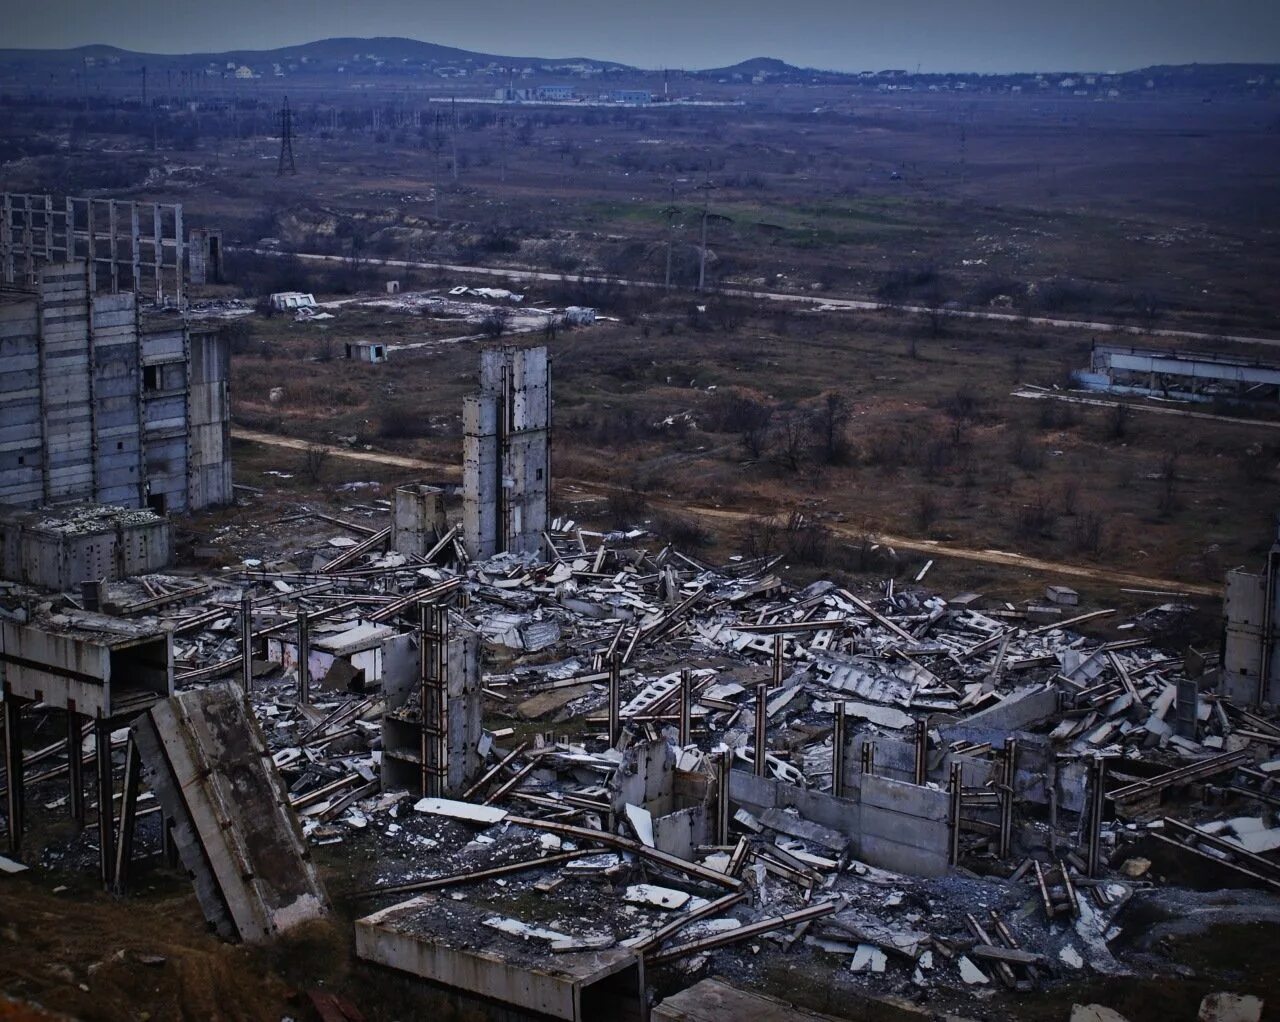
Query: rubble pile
616, 798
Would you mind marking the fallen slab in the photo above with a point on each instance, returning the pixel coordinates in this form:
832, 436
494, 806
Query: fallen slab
427, 939
206, 761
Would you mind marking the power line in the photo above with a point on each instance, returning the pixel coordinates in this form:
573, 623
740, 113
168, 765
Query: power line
286, 165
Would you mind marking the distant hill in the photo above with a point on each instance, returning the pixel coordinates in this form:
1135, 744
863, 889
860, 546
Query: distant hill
389, 55
389, 50
755, 66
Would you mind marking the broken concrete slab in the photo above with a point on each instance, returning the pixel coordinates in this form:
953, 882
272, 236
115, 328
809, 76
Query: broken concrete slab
1226, 1007
1095, 1013
206, 760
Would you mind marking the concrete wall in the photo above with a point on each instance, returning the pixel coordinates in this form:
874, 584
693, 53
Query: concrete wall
506, 472
646, 778
94, 407
1245, 607
207, 762
40, 552
105, 666
890, 824
418, 521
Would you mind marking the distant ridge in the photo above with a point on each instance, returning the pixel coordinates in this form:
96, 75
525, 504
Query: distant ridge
388, 53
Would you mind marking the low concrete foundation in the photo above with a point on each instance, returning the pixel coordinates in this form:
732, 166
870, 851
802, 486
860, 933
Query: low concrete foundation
423, 937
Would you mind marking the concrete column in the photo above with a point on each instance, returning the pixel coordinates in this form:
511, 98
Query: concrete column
14, 772
106, 791
246, 643
920, 773
838, 751
75, 768
724, 765
304, 657
1097, 786
762, 729
956, 789
128, 818
686, 706
777, 660
1010, 764
615, 696
113, 243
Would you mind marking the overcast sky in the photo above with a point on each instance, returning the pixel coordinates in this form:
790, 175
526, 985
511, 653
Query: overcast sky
937, 35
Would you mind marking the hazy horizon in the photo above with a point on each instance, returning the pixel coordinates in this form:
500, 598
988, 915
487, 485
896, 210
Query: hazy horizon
984, 36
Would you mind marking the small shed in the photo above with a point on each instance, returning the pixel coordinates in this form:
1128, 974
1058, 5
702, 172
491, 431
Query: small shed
366, 351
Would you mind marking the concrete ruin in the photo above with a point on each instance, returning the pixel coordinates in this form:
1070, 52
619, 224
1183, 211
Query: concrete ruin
574, 985
60, 547
506, 454
1251, 654
101, 403
418, 521
125, 245
228, 811
432, 730
1180, 375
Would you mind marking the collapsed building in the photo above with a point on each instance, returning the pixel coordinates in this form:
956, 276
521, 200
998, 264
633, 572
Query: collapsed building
574, 770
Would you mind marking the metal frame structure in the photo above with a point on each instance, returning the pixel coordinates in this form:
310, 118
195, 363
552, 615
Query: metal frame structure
433, 673
128, 245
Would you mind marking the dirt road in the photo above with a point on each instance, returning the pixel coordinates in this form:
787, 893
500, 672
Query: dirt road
852, 304
729, 517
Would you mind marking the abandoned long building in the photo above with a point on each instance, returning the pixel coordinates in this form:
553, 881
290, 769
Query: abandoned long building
103, 400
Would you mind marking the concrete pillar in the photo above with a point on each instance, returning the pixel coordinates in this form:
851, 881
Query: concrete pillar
13, 767
304, 657
615, 698
777, 660
920, 773
246, 643
128, 818
75, 768
1097, 798
1010, 765
762, 729
956, 790
724, 764
106, 793
838, 751
686, 707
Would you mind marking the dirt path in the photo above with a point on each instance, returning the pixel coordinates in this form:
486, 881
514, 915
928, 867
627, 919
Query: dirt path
852, 304
729, 517
1138, 406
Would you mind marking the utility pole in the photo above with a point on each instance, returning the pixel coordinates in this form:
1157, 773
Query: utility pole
437, 143
453, 134
706, 187
286, 165
671, 230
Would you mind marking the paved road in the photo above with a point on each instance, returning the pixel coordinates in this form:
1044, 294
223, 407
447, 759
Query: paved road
853, 304
1000, 557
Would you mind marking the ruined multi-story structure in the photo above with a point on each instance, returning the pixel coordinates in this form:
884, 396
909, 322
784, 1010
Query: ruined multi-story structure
1251, 656
100, 401
506, 454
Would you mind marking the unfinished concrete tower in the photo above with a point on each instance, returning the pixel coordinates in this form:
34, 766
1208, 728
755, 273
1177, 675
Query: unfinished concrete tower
99, 402
1251, 659
506, 454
